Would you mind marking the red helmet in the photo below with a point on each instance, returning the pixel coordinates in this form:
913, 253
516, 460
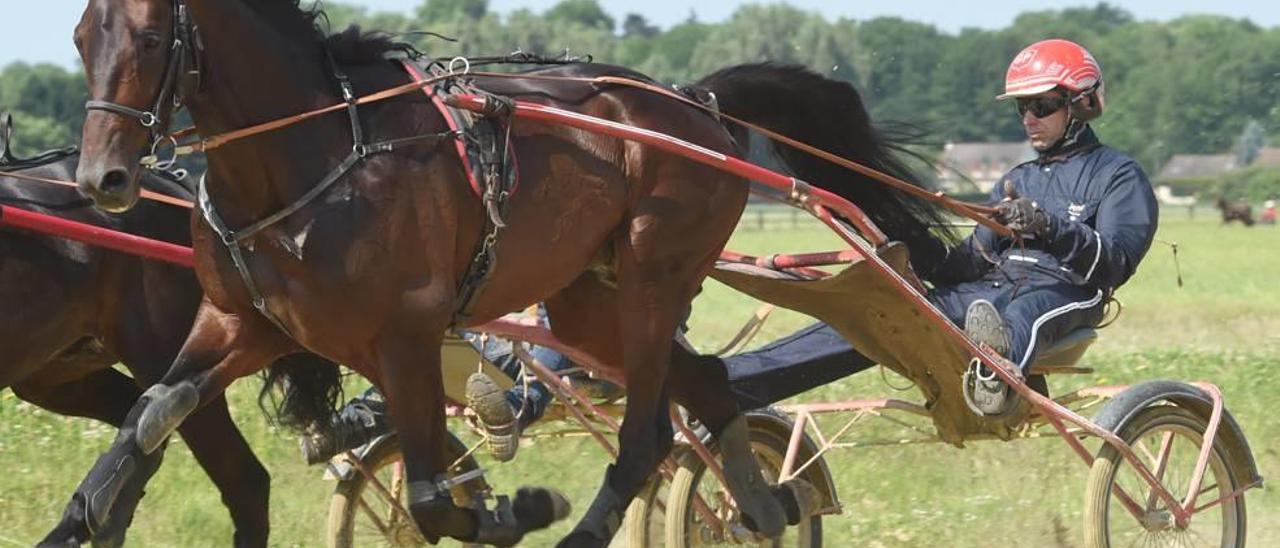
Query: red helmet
1055, 63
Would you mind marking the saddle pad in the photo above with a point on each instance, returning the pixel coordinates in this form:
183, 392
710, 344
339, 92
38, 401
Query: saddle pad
864, 306
479, 135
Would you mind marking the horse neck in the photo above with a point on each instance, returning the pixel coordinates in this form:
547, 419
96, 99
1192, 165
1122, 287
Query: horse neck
256, 73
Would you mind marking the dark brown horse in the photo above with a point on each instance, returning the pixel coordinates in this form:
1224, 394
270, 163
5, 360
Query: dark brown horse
1235, 211
71, 311
371, 273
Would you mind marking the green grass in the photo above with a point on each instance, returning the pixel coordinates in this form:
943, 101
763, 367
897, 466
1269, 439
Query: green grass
1222, 326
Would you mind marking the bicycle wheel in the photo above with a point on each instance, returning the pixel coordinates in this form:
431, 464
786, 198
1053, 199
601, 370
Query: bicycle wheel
687, 528
361, 514
1172, 435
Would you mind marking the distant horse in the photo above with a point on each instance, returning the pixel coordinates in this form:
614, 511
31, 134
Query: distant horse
1235, 211
71, 311
374, 272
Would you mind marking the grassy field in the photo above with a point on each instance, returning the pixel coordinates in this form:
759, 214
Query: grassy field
1221, 326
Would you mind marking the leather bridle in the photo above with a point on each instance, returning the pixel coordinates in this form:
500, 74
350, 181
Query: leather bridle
157, 120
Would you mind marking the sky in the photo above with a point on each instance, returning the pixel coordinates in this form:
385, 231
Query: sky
40, 30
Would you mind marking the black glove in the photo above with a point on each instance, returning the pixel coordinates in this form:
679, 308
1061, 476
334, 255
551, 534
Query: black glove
1022, 215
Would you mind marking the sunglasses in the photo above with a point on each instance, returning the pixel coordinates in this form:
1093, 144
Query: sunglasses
1041, 106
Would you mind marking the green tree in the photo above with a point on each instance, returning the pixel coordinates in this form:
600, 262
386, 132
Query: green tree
443, 10
587, 13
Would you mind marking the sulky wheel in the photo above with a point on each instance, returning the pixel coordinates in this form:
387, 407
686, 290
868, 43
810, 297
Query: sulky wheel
646, 516
1172, 435
686, 528
361, 514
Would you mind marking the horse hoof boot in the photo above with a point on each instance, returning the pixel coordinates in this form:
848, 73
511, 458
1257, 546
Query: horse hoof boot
536, 508
499, 527
581, 539
799, 498
761, 511
489, 401
166, 408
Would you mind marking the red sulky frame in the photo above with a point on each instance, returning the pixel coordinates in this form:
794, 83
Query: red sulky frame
825, 206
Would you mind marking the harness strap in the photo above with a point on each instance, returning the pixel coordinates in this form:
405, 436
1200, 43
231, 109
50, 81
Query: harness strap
237, 256
332, 177
148, 119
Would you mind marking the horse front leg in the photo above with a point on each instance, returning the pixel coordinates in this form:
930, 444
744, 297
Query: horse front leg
411, 382
221, 348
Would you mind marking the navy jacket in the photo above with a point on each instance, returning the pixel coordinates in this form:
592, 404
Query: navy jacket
1102, 219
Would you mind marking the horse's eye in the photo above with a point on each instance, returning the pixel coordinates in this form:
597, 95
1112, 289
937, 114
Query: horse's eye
151, 40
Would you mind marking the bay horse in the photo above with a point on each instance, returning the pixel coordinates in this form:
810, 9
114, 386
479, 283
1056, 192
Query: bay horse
1235, 211
71, 311
371, 274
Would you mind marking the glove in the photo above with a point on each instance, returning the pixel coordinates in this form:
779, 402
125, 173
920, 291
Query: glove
1022, 215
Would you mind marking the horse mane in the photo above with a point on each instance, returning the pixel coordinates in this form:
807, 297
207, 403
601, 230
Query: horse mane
829, 114
349, 46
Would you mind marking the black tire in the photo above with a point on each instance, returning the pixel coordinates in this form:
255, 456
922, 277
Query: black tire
684, 526
350, 524
1108, 523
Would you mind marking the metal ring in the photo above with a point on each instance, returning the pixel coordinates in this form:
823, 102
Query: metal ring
148, 119
466, 65
172, 160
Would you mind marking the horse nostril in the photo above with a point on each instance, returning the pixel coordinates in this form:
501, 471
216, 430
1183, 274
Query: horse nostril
114, 181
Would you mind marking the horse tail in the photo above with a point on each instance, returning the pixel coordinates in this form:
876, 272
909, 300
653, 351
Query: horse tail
301, 392
829, 114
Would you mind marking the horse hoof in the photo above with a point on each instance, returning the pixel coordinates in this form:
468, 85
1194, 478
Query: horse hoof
581, 539
536, 507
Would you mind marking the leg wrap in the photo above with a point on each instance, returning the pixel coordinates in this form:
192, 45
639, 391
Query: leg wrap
98, 502
760, 508
603, 517
167, 406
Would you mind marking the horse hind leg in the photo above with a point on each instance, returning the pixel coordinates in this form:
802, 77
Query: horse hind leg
242, 481
657, 275
701, 385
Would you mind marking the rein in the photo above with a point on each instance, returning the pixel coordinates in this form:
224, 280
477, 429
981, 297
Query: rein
979, 213
147, 194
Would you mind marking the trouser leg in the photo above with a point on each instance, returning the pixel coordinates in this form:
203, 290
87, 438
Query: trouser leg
1038, 318
813, 356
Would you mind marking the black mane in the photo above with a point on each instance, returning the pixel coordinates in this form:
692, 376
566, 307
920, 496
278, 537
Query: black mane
349, 46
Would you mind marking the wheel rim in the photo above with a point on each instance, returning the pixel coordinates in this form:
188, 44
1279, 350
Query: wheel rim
379, 520
1176, 444
700, 533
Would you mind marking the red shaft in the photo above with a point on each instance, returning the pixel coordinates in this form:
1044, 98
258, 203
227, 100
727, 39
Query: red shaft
96, 235
700, 154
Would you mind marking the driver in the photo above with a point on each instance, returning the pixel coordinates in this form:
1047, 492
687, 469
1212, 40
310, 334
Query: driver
1086, 215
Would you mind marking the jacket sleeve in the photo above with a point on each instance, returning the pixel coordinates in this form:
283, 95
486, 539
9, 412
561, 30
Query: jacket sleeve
968, 260
1107, 254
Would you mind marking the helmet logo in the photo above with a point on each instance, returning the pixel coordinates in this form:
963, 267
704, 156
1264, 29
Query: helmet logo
1024, 58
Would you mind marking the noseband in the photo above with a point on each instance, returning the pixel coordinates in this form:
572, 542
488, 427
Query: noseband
168, 98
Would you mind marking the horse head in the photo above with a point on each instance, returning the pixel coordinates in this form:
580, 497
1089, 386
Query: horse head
135, 56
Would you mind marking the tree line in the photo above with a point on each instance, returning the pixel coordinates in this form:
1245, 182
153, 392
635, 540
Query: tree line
1197, 84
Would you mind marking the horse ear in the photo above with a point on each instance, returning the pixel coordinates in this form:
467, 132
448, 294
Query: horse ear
6, 135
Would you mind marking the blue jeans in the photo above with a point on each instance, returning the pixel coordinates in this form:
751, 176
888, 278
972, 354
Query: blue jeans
529, 397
